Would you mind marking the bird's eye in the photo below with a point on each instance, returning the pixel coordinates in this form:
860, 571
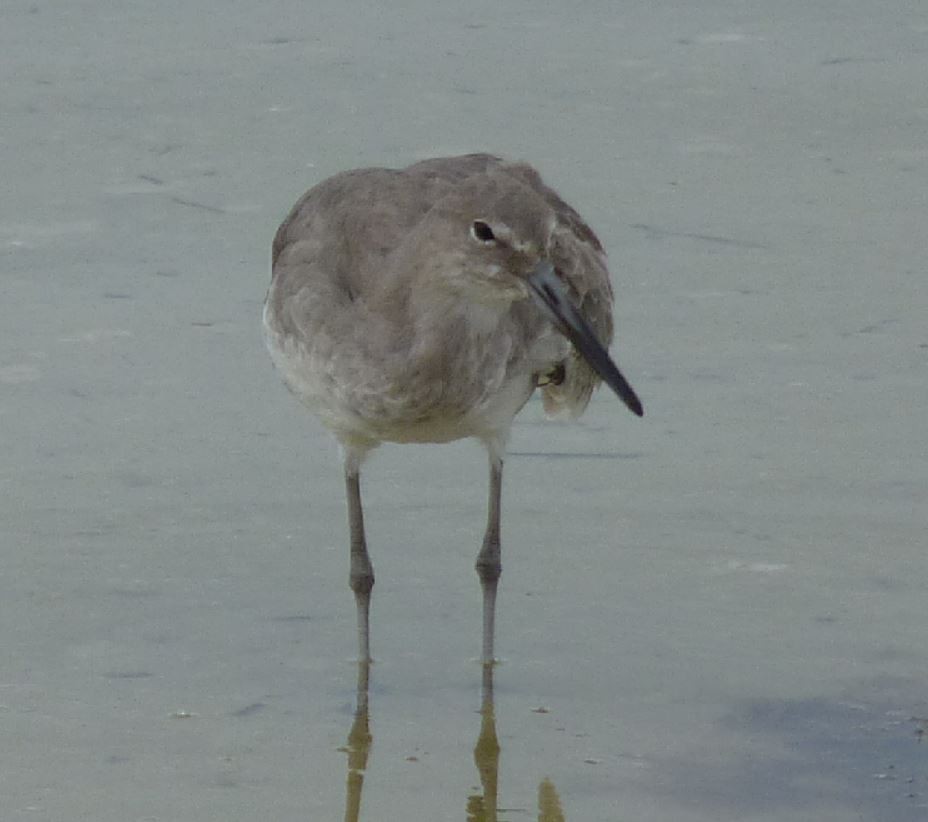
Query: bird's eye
482, 232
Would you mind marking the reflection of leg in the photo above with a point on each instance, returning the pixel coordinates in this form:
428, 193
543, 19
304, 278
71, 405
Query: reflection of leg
358, 747
549, 803
362, 572
486, 757
489, 565
484, 808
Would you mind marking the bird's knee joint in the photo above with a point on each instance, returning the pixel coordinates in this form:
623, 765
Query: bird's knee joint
488, 570
362, 584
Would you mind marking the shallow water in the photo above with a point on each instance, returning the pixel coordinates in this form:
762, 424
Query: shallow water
714, 613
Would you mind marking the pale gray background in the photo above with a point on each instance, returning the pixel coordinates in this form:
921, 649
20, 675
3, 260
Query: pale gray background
722, 606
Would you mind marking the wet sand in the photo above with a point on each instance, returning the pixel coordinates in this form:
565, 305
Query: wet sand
714, 613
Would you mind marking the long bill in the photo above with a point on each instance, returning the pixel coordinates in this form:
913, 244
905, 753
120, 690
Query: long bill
551, 296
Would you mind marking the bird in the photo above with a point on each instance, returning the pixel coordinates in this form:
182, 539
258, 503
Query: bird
427, 304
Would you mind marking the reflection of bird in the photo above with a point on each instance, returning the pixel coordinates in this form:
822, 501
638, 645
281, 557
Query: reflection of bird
549, 803
481, 807
358, 747
426, 305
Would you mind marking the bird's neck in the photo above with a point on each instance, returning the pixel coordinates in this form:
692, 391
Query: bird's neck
437, 336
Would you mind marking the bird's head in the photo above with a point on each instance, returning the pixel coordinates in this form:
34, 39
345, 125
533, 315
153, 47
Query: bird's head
492, 231
491, 243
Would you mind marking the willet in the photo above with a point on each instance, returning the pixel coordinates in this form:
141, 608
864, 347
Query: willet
426, 305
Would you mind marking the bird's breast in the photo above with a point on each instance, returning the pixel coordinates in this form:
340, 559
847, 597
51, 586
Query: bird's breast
459, 375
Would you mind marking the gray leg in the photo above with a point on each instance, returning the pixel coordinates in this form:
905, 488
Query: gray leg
362, 572
489, 566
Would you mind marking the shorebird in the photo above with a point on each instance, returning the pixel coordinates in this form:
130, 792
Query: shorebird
427, 304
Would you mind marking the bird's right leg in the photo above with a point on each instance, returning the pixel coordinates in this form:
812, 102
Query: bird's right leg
489, 565
361, 576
